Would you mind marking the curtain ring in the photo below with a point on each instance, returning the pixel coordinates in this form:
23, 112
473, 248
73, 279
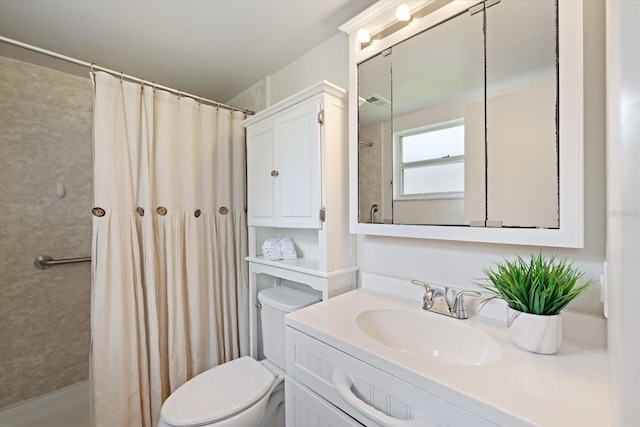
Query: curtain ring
154, 87
142, 84
91, 69
121, 75
179, 93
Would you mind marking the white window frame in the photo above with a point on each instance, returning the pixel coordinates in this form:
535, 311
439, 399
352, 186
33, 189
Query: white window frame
399, 166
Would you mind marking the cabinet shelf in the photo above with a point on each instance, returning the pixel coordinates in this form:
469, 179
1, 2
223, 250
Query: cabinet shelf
301, 265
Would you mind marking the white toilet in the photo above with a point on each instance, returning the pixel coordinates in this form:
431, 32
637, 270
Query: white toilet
243, 392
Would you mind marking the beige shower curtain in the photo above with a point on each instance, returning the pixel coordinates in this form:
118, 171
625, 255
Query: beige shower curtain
169, 283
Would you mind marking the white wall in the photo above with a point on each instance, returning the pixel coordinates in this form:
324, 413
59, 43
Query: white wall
328, 61
623, 206
458, 263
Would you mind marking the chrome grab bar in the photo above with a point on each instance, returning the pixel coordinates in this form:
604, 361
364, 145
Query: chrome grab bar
43, 261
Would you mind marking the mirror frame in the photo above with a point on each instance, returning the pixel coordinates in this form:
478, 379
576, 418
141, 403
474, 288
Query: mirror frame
570, 234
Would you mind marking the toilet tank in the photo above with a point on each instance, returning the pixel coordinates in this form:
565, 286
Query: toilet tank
276, 302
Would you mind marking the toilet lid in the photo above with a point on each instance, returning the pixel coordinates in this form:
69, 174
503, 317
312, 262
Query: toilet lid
218, 393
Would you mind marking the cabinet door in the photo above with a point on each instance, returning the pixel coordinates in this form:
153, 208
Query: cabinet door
305, 408
260, 175
298, 159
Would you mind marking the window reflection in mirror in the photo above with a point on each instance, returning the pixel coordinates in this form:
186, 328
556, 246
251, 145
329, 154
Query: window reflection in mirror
430, 162
449, 149
436, 74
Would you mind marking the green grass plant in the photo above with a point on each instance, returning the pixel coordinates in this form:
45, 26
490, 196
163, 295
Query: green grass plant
540, 286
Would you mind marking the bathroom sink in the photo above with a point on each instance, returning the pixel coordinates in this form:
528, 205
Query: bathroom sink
430, 336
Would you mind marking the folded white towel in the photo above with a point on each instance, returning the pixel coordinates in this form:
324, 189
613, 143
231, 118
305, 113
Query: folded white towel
286, 243
272, 255
288, 248
277, 249
271, 243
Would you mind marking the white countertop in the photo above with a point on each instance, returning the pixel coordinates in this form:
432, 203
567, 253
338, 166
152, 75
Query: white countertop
569, 388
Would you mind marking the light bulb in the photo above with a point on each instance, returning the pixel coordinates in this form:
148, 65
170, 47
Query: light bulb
363, 35
403, 13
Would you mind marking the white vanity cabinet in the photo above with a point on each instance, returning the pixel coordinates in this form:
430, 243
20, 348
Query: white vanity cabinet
363, 392
297, 187
355, 353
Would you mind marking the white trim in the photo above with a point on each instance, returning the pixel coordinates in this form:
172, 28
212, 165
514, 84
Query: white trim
323, 86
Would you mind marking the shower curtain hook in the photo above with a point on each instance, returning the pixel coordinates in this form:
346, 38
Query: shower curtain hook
121, 76
91, 69
154, 87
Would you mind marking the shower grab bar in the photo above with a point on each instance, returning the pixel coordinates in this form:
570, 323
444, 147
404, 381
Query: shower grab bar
43, 261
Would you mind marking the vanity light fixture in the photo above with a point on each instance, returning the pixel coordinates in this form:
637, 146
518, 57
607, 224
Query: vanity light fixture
363, 36
403, 13
404, 16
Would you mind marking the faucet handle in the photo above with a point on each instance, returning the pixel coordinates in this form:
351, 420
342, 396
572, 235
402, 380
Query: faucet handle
418, 282
459, 309
427, 298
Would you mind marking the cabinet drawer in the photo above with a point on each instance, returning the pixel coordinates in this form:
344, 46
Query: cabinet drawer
306, 409
336, 376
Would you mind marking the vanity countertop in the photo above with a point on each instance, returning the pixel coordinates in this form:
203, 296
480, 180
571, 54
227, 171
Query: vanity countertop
569, 388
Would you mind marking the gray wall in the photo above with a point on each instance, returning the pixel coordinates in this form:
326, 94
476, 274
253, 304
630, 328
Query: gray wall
45, 139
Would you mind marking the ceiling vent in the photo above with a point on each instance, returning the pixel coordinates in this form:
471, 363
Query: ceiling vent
377, 100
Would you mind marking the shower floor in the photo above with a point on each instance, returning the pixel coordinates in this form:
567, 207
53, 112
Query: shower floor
67, 407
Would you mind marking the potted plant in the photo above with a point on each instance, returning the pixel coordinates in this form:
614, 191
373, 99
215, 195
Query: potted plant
535, 291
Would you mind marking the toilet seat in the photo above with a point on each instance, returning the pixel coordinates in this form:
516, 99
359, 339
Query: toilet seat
218, 393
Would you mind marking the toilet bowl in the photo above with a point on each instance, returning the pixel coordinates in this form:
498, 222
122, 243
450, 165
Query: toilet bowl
243, 392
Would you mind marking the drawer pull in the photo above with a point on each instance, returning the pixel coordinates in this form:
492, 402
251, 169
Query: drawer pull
342, 384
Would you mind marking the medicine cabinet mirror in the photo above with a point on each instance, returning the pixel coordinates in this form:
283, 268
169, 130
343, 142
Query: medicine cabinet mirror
469, 125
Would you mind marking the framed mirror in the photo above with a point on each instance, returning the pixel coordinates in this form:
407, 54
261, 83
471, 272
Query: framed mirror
469, 125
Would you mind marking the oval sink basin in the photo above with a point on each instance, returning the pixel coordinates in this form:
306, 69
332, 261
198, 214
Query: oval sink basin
429, 336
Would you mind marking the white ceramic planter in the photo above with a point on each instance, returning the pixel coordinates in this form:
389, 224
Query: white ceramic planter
534, 332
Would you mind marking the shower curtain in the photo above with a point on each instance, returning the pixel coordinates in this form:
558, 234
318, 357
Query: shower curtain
169, 282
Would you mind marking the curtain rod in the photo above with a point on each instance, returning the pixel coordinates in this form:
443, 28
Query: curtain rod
118, 74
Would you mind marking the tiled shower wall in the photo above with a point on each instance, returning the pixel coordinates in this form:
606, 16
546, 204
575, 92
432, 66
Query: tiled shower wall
45, 139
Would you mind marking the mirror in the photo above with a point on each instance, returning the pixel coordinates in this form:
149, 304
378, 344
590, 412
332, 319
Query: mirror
374, 140
457, 125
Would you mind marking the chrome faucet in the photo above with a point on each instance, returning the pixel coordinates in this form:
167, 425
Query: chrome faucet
437, 300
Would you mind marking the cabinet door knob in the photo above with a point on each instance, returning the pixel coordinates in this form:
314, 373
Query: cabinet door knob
275, 173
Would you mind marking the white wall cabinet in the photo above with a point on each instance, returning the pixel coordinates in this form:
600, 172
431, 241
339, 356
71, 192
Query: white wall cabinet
283, 173
297, 187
